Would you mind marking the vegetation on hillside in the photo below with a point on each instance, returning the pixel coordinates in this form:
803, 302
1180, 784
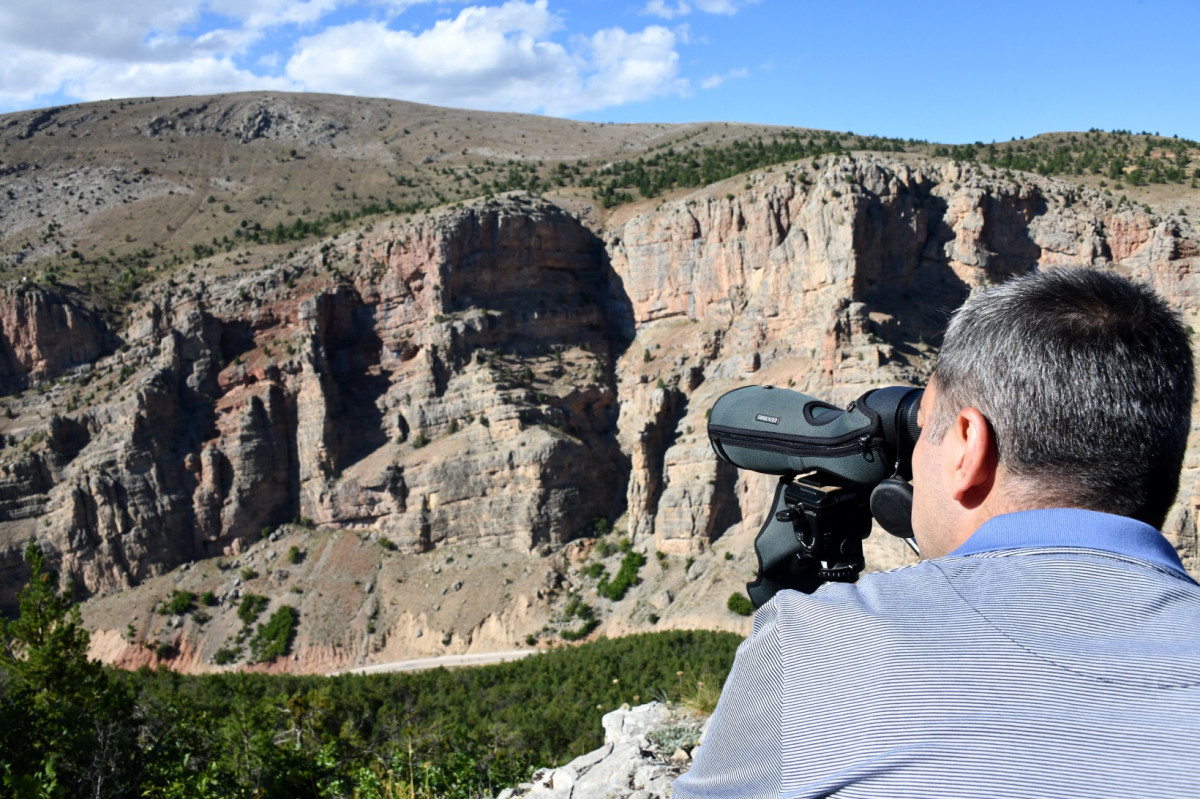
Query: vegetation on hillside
1119, 156
168, 205
693, 166
70, 727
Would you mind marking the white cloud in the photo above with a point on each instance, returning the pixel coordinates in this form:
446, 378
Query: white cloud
96, 28
197, 76
148, 31
96, 49
627, 67
713, 81
499, 57
681, 8
26, 76
511, 56
726, 7
262, 14
662, 8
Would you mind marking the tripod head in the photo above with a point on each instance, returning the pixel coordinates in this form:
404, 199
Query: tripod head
838, 468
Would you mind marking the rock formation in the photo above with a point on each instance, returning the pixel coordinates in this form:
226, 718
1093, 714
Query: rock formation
645, 749
501, 375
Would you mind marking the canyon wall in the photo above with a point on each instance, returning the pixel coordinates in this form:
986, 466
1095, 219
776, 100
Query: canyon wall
501, 375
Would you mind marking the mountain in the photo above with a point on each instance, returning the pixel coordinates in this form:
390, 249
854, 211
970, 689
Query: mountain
434, 422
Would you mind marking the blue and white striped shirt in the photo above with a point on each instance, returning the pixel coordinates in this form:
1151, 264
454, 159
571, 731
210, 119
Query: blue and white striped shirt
1055, 654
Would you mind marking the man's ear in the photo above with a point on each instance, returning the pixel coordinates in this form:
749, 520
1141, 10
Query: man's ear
974, 460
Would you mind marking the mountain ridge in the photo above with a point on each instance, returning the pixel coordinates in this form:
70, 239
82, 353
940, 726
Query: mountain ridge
455, 415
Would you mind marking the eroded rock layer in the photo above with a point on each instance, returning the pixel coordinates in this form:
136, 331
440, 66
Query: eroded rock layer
500, 375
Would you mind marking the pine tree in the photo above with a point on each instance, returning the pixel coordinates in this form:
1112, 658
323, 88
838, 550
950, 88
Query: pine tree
65, 726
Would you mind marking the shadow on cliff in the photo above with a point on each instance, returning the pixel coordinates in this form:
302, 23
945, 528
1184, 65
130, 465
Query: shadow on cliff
353, 352
906, 252
620, 332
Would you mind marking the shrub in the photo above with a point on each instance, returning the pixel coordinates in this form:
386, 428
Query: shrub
251, 606
740, 604
294, 555
274, 639
581, 633
627, 576
208, 598
180, 603
225, 655
248, 573
680, 736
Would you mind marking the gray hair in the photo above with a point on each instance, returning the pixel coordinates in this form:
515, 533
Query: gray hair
1086, 380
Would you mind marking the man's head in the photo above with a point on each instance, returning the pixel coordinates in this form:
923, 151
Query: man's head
1081, 386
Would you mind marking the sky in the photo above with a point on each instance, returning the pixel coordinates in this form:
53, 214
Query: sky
950, 72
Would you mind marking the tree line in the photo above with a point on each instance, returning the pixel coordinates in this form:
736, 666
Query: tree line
70, 727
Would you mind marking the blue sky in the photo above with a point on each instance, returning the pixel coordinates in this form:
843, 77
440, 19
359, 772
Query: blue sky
949, 72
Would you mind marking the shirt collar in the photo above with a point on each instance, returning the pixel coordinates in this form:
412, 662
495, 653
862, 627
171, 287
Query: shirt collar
1073, 527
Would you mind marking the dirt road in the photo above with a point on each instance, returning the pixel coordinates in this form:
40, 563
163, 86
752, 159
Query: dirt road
446, 661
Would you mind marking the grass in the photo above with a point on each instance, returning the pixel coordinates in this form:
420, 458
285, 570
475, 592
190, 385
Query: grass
701, 695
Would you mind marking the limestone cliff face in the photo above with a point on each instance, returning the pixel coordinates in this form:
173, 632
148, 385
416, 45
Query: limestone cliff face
833, 283
448, 381
43, 333
500, 375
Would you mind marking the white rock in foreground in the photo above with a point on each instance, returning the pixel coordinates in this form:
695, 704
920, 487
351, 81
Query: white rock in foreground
630, 764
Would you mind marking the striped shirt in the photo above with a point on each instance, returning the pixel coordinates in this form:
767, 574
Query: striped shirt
1055, 654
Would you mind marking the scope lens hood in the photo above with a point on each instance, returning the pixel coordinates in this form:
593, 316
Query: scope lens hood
891, 505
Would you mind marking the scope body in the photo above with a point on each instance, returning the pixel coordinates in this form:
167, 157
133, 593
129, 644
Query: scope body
837, 467
780, 431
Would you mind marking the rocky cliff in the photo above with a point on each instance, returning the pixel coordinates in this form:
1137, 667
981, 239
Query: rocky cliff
502, 375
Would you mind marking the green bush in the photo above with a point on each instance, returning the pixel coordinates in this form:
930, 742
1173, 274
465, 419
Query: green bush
251, 606
294, 555
627, 577
180, 603
582, 632
740, 605
274, 639
226, 655
593, 569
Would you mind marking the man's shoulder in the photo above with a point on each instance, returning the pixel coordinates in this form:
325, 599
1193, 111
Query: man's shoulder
1060, 606
951, 592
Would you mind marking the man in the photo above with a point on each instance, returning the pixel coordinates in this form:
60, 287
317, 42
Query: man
1048, 644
